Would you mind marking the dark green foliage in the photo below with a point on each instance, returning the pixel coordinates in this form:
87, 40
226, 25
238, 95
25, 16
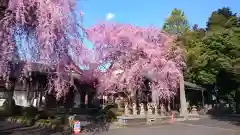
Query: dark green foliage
43, 115
221, 19
213, 55
49, 123
7, 109
108, 113
30, 111
28, 121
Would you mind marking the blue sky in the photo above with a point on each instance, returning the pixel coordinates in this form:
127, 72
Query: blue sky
150, 12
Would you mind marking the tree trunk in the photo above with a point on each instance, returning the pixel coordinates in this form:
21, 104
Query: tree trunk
40, 98
10, 92
183, 101
133, 98
236, 100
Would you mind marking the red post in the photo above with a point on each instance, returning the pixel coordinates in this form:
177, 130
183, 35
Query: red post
172, 119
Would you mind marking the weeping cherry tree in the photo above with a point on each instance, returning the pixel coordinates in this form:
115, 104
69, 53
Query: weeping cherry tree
135, 54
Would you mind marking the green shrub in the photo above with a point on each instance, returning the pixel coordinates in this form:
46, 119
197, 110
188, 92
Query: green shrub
18, 110
60, 118
29, 122
41, 122
55, 121
119, 113
109, 106
7, 108
108, 113
30, 111
49, 123
12, 119
22, 120
42, 115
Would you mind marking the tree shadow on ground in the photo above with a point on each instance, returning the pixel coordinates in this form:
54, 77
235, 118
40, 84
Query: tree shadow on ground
96, 127
99, 121
223, 114
28, 130
93, 127
93, 120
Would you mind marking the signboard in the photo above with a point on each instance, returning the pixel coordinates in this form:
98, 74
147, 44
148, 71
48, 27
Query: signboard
77, 127
2, 101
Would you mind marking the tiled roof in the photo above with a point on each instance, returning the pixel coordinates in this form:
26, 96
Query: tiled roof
193, 86
17, 67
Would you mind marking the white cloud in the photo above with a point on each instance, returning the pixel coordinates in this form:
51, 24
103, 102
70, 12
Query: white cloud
110, 16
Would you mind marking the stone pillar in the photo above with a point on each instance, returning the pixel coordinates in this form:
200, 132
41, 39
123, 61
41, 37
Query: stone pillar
134, 109
194, 110
142, 111
169, 106
183, 102
86, 99
210, 107
40, 98
126, 109
149, 106
117, 101
10, 92
82, 98
155, 109
162, 108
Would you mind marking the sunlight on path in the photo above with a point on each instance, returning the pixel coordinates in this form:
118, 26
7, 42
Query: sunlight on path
174, 129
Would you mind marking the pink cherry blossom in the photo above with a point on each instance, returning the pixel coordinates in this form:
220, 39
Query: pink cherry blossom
48, 33
46, 30
137, 54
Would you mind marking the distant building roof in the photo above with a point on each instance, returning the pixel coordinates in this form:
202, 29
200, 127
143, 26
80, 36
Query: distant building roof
193, 86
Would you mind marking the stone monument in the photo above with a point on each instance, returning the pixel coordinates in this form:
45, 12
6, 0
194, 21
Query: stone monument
126, 109
194, 114
194, 110
169, 106
149, 106
162, 109
155, 108
142, 111
134, 109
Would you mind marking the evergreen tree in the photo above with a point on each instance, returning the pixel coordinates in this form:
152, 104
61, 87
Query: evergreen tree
176, 23
221, 19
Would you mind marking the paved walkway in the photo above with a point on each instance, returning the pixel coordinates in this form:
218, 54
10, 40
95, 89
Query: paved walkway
180, 128
205, 126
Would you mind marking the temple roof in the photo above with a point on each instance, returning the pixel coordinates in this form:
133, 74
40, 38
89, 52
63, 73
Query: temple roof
17, 67
193, 86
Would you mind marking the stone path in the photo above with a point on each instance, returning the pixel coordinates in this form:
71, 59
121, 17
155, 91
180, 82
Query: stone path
205, 126
173, 129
